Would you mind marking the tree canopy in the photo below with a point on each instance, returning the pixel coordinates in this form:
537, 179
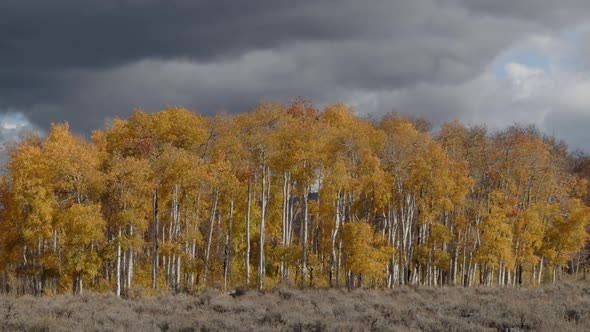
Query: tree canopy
310, 198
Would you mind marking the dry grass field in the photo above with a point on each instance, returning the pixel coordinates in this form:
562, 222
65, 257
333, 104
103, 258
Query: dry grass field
563, 307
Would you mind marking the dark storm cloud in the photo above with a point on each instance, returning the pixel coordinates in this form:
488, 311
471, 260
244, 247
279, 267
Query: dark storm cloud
86, 62
62, 33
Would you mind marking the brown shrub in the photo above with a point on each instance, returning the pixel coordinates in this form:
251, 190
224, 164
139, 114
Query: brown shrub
563, 307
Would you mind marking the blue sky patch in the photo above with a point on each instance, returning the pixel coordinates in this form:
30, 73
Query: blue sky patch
532, 57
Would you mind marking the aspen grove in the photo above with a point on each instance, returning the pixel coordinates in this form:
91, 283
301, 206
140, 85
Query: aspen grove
290, 195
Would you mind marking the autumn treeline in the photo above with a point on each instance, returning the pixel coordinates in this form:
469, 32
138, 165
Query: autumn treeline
287, 194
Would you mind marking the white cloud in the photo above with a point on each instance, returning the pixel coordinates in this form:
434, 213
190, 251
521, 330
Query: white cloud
13, 125
9, 126
550, 92
525, 81
553, 100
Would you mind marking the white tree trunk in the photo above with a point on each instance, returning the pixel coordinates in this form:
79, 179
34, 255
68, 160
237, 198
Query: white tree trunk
155, 243
262, 260
304, 241
209, 238
248, 215
130, 261
118, 265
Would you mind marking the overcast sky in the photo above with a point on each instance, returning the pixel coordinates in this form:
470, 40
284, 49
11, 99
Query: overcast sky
493, 62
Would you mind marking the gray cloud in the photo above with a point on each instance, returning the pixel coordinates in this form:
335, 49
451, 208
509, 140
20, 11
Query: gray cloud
88, 62
569, 126
546, 12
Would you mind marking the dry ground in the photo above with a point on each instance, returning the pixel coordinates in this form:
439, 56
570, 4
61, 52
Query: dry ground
563, 307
